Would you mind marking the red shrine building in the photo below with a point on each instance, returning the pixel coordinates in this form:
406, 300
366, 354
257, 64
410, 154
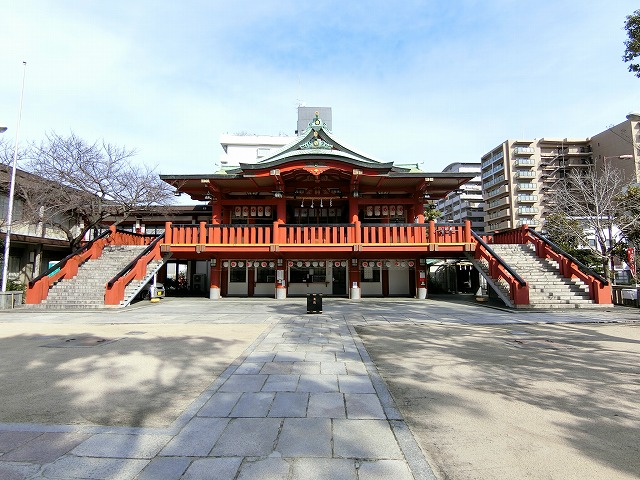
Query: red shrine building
317, 216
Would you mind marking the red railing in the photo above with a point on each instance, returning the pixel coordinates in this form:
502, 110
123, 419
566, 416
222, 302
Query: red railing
288, 234
599, 287
136, 270
217, 234
498, 269
329, 234
38, 288
395, 233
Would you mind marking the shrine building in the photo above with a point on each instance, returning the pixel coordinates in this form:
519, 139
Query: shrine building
317, 216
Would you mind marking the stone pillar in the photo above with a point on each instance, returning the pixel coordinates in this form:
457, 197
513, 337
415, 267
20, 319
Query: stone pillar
281, 283
354, 281
214, 284
421, 282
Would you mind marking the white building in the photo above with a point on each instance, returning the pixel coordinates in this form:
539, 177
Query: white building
465, 203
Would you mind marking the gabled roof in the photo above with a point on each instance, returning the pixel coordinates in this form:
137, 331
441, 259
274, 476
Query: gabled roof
317, 142
316, 153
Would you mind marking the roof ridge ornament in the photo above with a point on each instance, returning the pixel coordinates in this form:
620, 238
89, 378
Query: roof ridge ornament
316, 143
317, 123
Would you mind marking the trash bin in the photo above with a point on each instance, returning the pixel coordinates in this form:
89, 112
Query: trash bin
314, 303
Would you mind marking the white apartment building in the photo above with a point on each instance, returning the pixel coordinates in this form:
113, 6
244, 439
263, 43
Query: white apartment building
519, 176
465, 203
248, 148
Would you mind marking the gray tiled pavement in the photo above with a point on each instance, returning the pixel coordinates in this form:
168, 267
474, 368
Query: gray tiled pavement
303, 402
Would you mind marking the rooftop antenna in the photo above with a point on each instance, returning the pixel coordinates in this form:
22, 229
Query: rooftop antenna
299, 101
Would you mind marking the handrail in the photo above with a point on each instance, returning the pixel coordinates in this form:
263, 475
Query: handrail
578, 263
135, 234
133, 262
317, 225
234, 225
393, 224
518, 278
62, 262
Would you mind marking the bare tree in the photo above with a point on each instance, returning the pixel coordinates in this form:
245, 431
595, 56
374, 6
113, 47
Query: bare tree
593, 197
83, 183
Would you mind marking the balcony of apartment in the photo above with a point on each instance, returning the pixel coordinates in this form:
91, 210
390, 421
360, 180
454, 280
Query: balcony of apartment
497, 203
523, 151
527, 198
528, 210
526, 186
499, 225
209, 239
525, 162
532, 222
491, 159
526, 174
497, 191
495, 181
506, 212
493, 171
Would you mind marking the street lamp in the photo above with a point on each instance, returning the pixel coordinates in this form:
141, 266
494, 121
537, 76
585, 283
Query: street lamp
12, 188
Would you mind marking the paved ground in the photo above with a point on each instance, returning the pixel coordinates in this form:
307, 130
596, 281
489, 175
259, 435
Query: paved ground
303, 400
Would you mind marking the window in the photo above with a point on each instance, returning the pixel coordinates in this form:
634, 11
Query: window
370, 274
266, 274
237, 274
307, 274
263, 152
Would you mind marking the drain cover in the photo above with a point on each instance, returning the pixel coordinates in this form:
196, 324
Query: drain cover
80, 342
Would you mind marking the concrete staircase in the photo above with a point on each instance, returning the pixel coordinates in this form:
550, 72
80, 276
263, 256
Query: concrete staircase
547, 288
135, 286
86, 290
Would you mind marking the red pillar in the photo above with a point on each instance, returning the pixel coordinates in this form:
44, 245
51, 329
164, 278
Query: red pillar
216, 213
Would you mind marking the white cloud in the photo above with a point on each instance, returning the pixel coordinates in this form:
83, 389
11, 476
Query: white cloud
417, 81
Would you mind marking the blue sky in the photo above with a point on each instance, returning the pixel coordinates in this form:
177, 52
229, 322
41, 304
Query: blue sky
428, 82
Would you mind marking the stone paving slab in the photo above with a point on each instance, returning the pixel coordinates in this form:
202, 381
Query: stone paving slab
305, 437
71, 467
121, 446
197, 438
248, 437
303, 401
165, 468
44, 448
209, 468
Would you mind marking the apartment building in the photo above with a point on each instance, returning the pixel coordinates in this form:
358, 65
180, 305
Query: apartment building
520, 177
622, 140
250, 148
466, 203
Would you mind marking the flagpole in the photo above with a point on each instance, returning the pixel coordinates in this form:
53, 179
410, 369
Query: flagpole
12, 188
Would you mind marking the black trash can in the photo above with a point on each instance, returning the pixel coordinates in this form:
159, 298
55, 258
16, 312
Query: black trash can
314, 303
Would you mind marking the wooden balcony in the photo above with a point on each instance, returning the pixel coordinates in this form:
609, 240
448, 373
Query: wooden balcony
287, 238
